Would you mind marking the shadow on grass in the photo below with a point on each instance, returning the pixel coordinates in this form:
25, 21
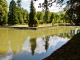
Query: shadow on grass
69, 51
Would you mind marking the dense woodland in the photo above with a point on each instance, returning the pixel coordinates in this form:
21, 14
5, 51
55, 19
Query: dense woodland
16, 14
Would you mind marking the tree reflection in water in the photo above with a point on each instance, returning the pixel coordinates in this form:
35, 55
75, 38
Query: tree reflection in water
33, 45
38, 48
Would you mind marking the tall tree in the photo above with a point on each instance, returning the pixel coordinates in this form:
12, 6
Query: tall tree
19, 3
73, 11
25, 14
13, 16
19, 12
51, 17
46, 16
32, 16
3, 12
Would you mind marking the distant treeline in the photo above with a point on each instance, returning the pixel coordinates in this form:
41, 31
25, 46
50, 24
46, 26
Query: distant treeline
16, 14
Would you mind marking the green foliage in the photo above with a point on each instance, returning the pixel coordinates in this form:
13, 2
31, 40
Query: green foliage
36, 23
5, 19
51, 17
3, 12
56, 17
40, 15
33, 21
22, 13
17, 15
25, 14
12, 13
73, 12
46, 16
41, 21
19, 3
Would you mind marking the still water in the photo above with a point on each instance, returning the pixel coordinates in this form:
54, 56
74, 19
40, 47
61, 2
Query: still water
15, 45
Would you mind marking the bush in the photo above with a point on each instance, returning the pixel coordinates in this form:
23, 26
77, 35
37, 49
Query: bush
33, 23
36, 23
40, 21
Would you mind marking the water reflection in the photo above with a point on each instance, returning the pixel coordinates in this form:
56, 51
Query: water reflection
69, 33
37, 48
40, 48
26, 46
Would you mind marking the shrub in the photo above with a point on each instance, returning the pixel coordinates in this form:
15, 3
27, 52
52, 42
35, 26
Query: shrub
36, 23
40, 21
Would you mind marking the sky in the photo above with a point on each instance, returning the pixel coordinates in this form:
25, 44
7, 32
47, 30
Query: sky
26, 5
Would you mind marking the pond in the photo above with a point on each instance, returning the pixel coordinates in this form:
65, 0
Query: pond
17, 44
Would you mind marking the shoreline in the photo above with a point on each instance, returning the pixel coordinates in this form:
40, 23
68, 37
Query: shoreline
34, 28
23, 27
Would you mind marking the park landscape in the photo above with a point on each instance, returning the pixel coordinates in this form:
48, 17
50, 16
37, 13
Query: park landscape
39, 35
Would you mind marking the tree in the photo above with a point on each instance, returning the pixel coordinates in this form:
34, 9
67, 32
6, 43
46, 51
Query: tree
19, 3
51, 17
62, 17
33, 21
13, 16
3, 12
73, 11
40, 15
25, 15
19, 12
56, 18
46, 16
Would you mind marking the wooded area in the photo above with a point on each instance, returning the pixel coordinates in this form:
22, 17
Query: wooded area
18, 15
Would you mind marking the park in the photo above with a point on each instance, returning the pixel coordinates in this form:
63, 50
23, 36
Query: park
39, 35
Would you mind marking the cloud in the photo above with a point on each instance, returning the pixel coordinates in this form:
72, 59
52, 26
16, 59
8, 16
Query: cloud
26, 46
53, 40
40, 48
54, 8
26, 5
6, 57
26, 1
37, 3
40, 43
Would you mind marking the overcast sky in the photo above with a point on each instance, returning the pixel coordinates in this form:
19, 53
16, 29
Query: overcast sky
26, 5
